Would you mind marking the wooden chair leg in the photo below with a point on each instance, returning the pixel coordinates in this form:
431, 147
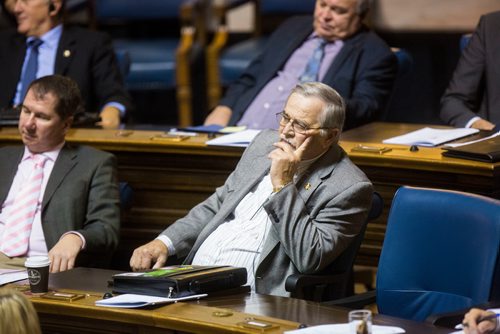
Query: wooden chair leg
214, 89
183, 77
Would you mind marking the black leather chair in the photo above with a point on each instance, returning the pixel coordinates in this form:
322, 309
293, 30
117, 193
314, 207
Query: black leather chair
337, 280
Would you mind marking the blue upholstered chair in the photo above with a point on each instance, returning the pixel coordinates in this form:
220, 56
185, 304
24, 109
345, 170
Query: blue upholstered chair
159, 57
464, 41
440, 254
225, 62
337, 280
398, 103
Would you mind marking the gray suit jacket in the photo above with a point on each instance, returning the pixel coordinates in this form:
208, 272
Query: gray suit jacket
81, 195
474, 89
310, 227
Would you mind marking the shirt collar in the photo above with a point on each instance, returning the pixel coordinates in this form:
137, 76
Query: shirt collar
50, 38
51, 155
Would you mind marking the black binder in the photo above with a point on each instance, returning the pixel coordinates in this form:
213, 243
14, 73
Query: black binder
180, 281
486, 151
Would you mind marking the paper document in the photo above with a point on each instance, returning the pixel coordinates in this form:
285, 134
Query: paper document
344, 329
430, 136
129, 300
238, 139
12, 275
474, 141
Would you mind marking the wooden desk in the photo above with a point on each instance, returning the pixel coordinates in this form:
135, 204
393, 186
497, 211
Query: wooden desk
169, 178
82, 316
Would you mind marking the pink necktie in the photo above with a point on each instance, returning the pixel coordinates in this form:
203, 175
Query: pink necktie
17, 230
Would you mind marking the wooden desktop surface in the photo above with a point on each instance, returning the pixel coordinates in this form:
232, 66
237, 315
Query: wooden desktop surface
82, 316
169, 177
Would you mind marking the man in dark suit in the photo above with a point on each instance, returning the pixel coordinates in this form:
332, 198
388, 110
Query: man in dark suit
85, 56
356, 63
473, 95
76, 213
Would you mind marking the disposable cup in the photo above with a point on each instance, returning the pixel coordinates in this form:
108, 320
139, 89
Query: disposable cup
38, 273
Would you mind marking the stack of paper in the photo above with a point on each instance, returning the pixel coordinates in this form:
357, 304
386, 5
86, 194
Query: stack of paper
239, 139
12, 275
129, 300
430, 137
345, 329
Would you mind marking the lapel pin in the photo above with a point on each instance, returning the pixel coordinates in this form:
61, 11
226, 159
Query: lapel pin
66, 53
307, 186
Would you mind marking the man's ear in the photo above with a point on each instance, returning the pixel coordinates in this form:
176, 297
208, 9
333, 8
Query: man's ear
67, 124
333, 136
54, 7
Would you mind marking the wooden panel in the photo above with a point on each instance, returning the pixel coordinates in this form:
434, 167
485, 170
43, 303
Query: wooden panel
430, 15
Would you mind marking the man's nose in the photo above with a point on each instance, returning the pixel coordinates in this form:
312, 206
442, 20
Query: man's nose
30, 121
288, 128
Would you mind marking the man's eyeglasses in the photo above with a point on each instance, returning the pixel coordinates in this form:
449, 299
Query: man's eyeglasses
297, 126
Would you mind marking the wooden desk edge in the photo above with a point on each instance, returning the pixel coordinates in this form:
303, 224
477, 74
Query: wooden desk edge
186, 317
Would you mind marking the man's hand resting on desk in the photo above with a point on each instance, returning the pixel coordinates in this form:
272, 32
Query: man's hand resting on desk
219, 116
63, 255
110, 118
474, 322
153, 253
483, 124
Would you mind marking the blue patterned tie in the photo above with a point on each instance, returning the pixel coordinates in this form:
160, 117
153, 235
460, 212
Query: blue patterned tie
31, 66
312, 68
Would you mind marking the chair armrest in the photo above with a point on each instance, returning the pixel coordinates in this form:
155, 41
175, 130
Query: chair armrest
298, 283
451, 319
355, 302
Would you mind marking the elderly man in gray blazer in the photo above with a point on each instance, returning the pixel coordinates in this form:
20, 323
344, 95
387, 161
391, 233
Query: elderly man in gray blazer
293, 204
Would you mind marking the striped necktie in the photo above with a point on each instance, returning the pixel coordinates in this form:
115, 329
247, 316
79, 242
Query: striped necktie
312, 68
31, 66
17, 229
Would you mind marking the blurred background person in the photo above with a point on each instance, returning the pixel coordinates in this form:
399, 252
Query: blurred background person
43, 45
472, 98
17, 314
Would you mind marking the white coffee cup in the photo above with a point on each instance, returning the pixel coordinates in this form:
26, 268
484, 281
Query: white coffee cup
37, 262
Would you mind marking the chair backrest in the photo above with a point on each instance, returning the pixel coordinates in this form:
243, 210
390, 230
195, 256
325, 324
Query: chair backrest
439, 254
464, 41
137, 10
271, 13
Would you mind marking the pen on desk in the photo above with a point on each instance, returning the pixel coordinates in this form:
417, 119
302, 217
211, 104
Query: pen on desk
485, 318
489, 317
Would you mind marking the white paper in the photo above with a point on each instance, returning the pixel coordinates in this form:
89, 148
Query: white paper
130, 300
238, 139
12, 275
344, 329
430, 136
474, 141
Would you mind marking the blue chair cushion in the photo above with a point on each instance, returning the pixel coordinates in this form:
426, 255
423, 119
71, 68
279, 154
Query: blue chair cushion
287, 6
235, 59
439, 254
137, 10
152, 62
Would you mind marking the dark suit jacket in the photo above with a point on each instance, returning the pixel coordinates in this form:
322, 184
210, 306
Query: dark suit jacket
363, 72
81, 195
91, 63
474, 89
328, 213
